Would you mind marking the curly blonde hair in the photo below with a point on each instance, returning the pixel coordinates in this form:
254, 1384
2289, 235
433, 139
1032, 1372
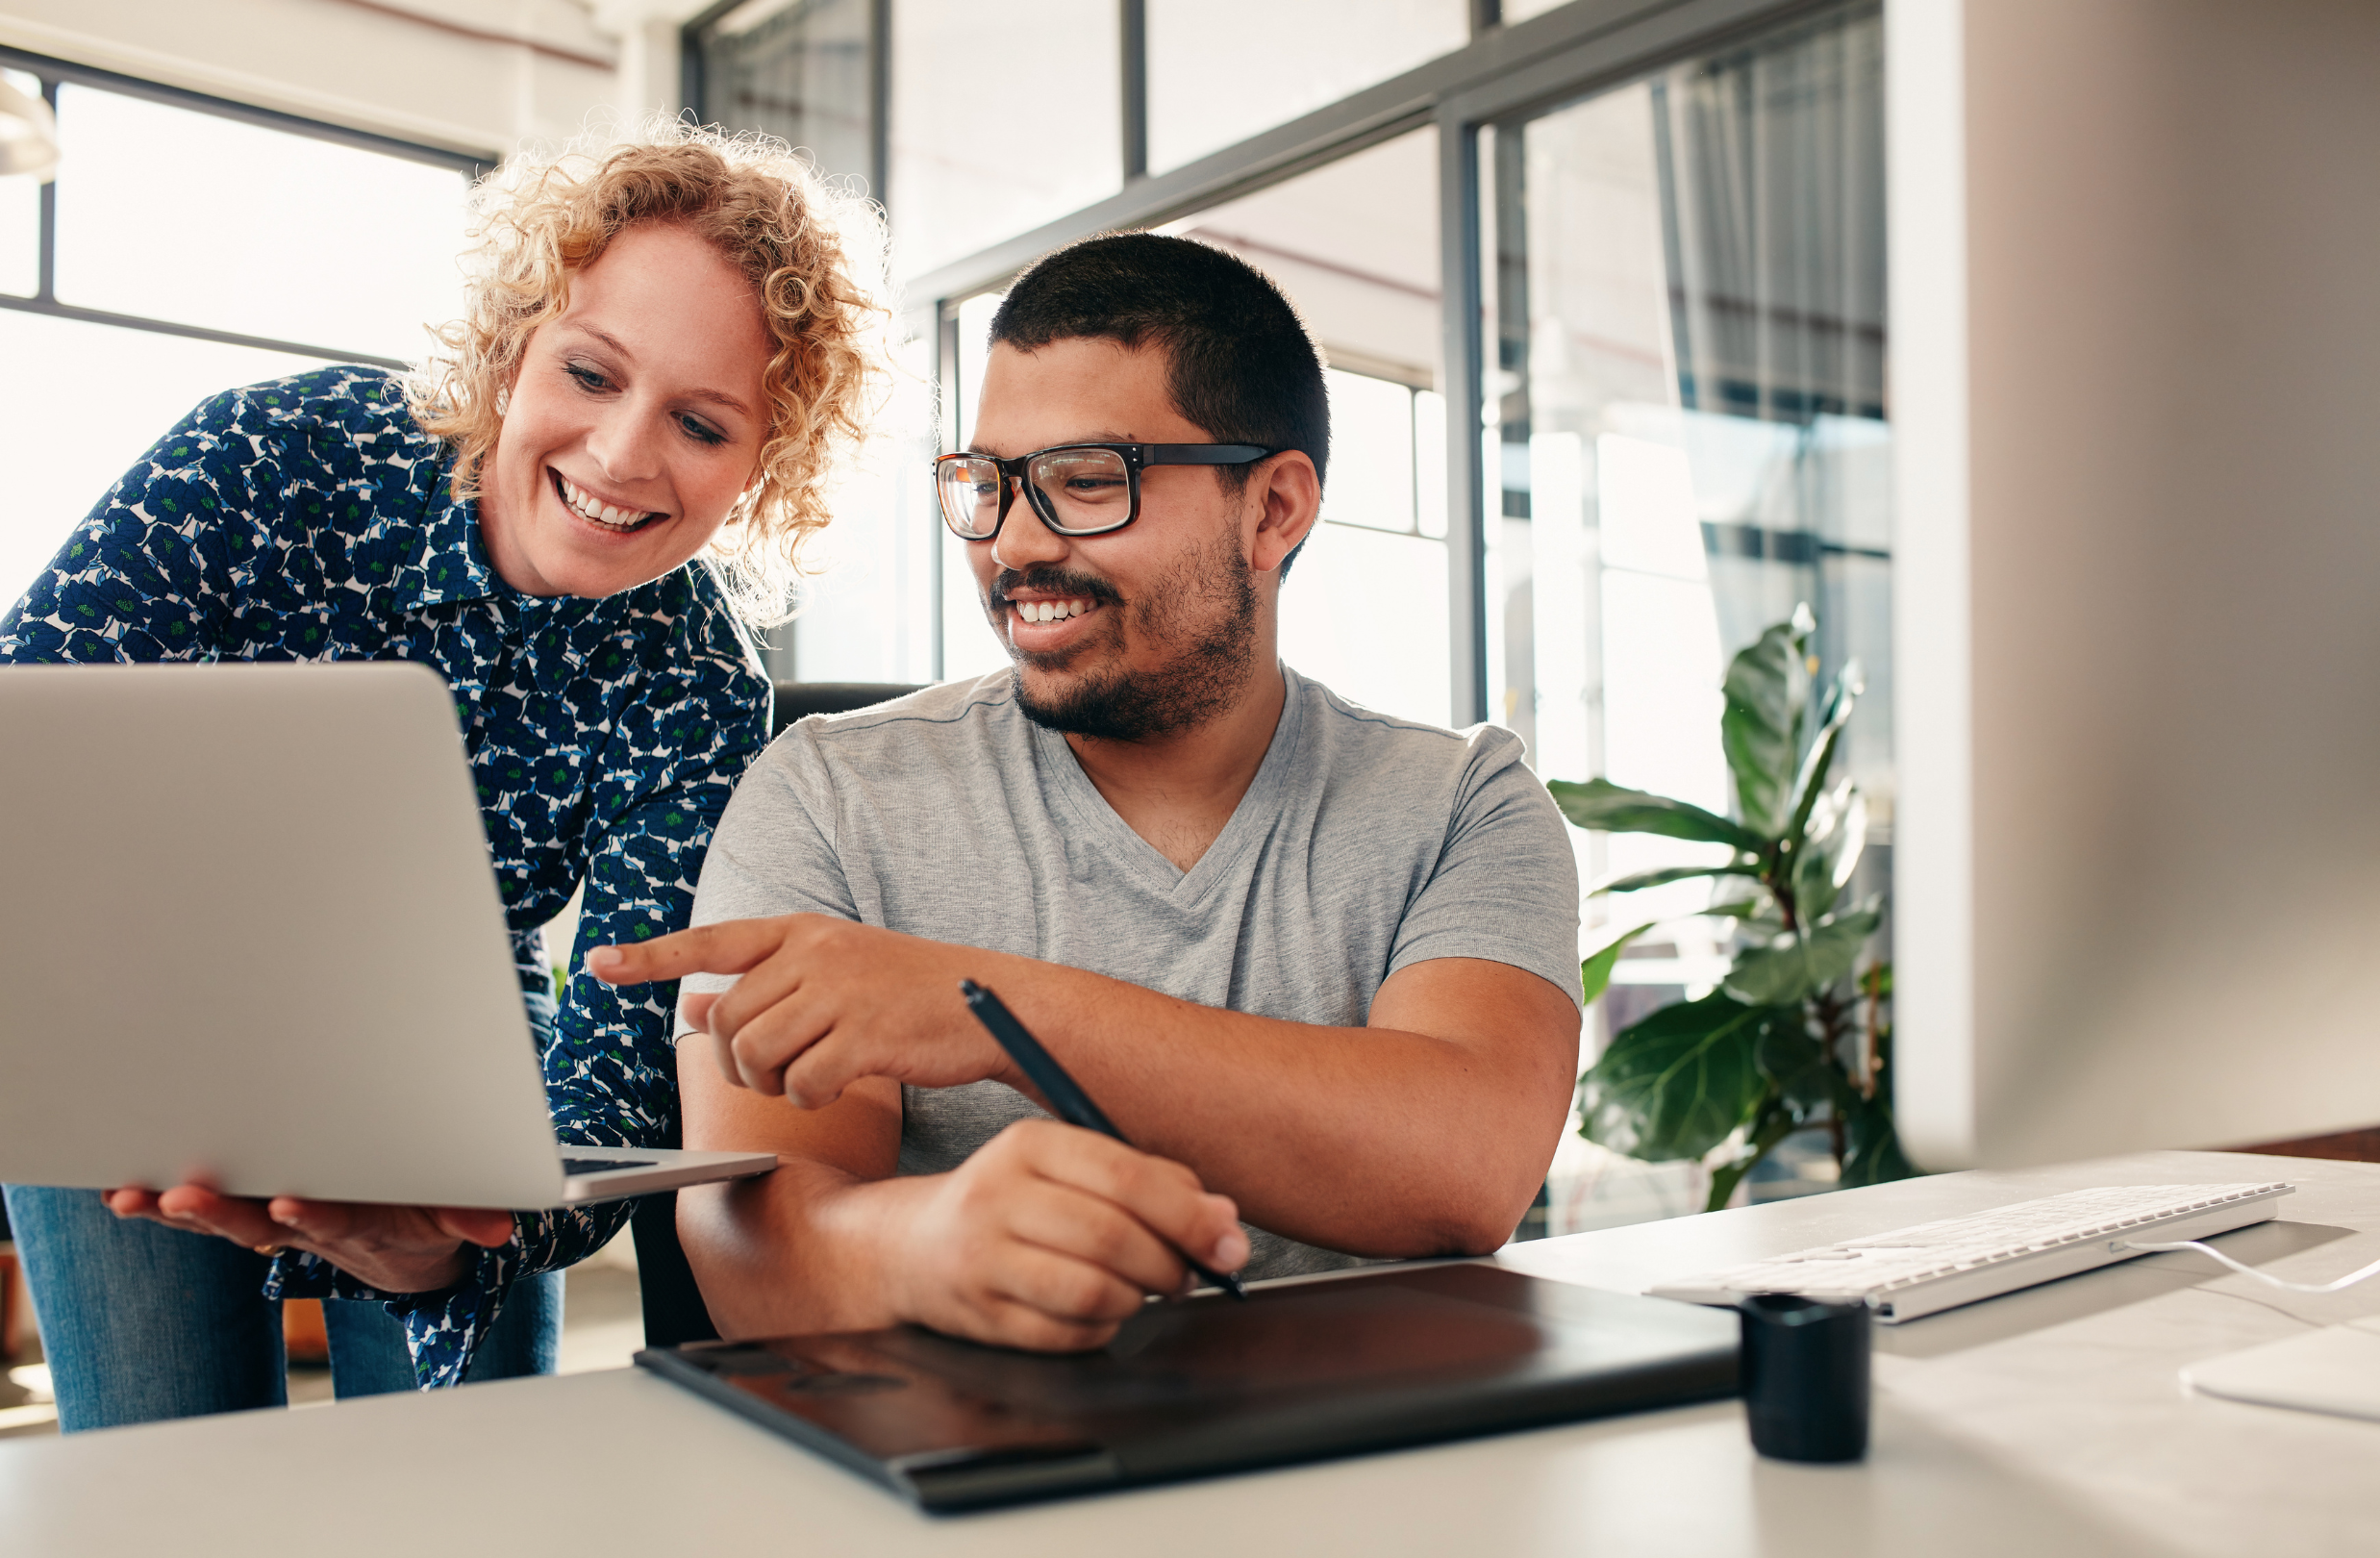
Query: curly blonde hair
813, 252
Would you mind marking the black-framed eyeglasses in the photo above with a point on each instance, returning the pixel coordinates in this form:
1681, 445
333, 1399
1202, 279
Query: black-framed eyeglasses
1077, 488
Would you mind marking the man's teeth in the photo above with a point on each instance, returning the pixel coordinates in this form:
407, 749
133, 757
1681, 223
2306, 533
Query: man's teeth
602, 513
1049, 611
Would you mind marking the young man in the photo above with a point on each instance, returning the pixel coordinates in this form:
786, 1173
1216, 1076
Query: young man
1319, 965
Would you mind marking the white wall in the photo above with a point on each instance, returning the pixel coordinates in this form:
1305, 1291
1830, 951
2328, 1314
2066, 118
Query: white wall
476, 76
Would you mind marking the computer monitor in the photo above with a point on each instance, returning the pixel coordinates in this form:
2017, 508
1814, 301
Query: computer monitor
2136, 385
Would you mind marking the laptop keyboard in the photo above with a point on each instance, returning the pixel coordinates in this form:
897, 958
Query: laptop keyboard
573, 1167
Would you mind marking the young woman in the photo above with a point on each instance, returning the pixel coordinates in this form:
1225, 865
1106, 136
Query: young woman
572, 511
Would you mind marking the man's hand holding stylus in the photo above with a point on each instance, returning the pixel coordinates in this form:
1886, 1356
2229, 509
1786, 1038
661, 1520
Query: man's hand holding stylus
1048, 1237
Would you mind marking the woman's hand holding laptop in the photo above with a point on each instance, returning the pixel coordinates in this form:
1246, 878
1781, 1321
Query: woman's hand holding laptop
393, 1248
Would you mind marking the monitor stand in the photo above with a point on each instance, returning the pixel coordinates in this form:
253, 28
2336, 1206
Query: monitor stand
2335, 1369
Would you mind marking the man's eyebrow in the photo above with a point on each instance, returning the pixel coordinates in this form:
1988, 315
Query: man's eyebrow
717, 397
975, 446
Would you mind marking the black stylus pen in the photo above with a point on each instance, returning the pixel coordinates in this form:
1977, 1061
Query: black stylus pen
1065, 1094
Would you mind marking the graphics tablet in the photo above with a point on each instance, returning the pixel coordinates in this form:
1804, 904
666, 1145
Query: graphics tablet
1191, 1387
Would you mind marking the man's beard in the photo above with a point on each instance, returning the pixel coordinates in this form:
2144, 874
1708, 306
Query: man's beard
1205, 611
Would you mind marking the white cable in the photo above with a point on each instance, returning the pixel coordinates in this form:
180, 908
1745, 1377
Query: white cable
2348, 1281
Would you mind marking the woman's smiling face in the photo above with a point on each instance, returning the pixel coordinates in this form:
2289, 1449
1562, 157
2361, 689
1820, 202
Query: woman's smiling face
635, 423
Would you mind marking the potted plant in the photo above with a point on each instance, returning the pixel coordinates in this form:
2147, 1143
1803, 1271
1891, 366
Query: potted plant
1798, 1035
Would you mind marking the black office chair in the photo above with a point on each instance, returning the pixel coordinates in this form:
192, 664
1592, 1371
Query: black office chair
794, 699
674, 1312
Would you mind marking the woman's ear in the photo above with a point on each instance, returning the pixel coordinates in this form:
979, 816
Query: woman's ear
746, 500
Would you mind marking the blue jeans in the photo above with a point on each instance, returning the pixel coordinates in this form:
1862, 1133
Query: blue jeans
141, 1321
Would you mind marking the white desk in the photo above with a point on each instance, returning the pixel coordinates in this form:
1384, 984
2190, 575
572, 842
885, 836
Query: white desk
2044, 1423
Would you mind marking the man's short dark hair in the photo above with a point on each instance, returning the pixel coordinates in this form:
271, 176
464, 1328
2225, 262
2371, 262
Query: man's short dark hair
1240, 363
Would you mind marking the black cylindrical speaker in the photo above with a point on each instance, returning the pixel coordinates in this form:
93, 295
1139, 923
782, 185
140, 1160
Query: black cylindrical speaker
1805, 1376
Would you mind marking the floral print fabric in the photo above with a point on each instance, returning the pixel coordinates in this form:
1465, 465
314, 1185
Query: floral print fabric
309, 519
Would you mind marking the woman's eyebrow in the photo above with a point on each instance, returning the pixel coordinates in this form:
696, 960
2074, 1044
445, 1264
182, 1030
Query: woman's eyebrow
717, 397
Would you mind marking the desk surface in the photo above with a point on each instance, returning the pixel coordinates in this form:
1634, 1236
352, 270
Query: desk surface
2049, 1421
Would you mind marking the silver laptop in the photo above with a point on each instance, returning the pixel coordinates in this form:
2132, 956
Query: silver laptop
249, 934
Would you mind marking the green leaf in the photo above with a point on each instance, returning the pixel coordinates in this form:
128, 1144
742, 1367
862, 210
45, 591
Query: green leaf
1795, 966
1760, 729
1787, 1050
1837, 834
1772, 1124
1596, 974
1675, 1084
1871, 1154
1604, 806
1797, 1063
1742, 897
1640, 880
1812, 780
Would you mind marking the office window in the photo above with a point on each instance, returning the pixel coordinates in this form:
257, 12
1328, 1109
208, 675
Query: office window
1686, 435
1222, 70
1003, 117
801, 72
1690, 437
970, 645
192, 251
1364, 609
21, 215
180, 215
866, 613
1673, 371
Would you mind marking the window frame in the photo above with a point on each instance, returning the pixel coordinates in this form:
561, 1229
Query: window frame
1505, 76
52, 73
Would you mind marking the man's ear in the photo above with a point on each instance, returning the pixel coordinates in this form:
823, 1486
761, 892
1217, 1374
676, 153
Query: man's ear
1284, 500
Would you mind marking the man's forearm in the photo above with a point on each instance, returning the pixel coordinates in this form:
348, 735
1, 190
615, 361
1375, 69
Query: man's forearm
1379, 1141
1425, 1132
795, 1251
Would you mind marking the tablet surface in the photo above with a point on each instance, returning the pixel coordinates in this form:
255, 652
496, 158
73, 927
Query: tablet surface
1192, 1387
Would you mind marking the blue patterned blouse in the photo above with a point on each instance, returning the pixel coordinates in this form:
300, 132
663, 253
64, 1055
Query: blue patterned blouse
310, 520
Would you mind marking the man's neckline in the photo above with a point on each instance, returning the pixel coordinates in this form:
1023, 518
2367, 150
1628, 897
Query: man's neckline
1229, 841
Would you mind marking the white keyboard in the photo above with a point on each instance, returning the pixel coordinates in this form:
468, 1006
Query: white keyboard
1937, 1266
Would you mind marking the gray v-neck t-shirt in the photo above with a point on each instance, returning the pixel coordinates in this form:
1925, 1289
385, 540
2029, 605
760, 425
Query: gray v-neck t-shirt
1365, 844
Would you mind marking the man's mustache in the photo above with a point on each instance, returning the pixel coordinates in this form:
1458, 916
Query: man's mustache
1052, 581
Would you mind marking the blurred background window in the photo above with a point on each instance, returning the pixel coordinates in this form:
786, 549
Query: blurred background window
20, 214
1605, 333
187, 251
1222, 70
1684, 436
806, 73
1687, 434
1672, 389
1364, 609
1004, 117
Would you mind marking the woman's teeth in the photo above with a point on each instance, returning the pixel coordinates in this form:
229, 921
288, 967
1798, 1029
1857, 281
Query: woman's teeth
601, 513
1049, 611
